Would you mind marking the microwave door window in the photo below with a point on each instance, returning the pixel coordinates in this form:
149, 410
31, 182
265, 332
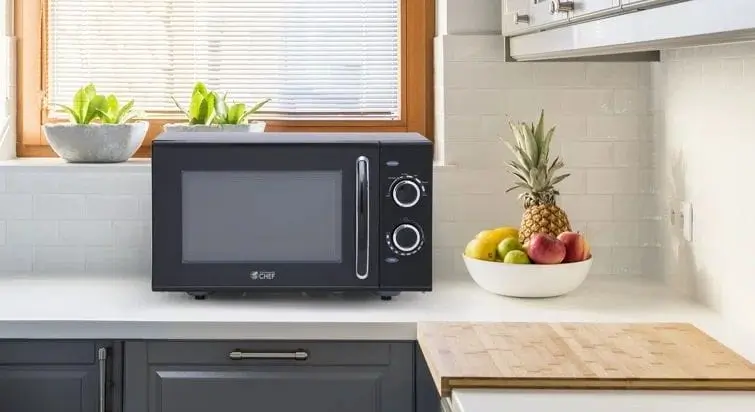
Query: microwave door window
262, 216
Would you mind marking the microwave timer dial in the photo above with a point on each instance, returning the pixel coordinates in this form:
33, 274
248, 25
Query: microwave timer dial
406, 239
406, 191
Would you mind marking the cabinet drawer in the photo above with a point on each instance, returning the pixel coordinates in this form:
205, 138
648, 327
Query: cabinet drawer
47, 352
542, 13
269, 353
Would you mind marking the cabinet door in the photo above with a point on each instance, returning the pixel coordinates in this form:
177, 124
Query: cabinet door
584, 8
44, 376
511, 9
334, 377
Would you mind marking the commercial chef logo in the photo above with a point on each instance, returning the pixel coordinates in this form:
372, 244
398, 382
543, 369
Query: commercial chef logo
262, 275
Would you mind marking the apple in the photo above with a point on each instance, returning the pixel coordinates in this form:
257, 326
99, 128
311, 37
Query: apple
546, 249
577, 248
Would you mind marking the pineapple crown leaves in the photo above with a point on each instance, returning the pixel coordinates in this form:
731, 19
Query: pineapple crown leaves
531, 149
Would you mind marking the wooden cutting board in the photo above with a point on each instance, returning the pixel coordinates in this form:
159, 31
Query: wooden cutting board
669, 356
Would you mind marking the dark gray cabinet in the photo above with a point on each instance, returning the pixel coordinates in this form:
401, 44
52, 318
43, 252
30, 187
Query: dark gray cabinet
59, 376
213, 376
271, 376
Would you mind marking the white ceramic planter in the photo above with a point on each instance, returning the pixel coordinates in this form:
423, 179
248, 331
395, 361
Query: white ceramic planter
252, 127
527, 281
96, 143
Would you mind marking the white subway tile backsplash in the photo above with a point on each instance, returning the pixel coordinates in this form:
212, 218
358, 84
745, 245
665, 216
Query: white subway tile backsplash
588, 154
144, 207
32, 232
87, 232
112, 206
118, 259
625, 127
560, 74
16, 258
54, 207
59, 259
16, 206
616, 75
132, 233
588, 207
585, 102
608, 181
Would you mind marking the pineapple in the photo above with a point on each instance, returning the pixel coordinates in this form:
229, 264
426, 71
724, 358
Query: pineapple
538, 179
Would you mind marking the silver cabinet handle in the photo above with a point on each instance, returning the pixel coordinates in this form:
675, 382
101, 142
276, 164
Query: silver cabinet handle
102, 363
296, 355
522, 18
558, 6
363, 218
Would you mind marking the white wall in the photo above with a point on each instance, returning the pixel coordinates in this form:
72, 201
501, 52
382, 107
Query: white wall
70, 218
704, 108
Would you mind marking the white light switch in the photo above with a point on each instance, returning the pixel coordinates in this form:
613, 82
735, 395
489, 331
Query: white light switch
687, 218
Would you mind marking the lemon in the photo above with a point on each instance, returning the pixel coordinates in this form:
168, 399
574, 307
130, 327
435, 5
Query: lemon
482, 249
507, 245
516, 257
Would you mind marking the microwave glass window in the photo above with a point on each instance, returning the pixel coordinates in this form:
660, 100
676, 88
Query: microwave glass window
262, 216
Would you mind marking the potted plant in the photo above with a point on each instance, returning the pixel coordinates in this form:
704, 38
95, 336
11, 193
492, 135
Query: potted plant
208, 111
101, 130
236, 116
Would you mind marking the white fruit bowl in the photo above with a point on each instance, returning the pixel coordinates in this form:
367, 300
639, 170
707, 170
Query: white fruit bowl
527, 281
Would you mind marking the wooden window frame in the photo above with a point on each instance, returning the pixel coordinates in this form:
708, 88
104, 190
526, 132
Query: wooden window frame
416, 82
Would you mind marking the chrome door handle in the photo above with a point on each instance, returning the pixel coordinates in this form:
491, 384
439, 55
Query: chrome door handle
522, 18
362, 255
558, 6
295, 355
102, 364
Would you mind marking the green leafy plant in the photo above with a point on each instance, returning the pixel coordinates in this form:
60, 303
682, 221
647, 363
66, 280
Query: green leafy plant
89, 106
111, 112
86, 105
237, 113
201, 107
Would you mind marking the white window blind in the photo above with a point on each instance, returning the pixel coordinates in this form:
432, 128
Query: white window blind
313, 58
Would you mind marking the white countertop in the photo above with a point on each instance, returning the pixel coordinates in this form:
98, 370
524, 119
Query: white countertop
99, 307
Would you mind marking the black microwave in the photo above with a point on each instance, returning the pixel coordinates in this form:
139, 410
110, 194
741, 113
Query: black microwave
297, 212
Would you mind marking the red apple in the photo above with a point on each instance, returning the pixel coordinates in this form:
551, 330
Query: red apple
577, 248
546, 249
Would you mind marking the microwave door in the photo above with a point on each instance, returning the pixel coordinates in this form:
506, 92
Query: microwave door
268, 217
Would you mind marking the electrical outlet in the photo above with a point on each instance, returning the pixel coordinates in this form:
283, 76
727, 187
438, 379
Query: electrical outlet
687, 219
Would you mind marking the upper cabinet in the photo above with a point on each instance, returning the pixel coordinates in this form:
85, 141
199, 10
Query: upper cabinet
620, 29
585, 8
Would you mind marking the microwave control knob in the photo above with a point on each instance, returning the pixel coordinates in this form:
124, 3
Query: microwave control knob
406, 238
406, 192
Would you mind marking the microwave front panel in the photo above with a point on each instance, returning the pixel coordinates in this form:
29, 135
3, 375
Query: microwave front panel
258, 217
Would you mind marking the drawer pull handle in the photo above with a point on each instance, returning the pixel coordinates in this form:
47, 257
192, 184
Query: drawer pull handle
296, 355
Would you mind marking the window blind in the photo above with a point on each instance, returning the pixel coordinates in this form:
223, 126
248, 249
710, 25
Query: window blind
313, 58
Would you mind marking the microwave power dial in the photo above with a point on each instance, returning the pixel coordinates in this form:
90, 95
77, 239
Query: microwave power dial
406, 238
406, 191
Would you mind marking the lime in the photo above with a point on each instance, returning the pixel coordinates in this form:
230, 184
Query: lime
507, 245
516, 257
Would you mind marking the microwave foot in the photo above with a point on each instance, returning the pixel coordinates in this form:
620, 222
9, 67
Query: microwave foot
199, 295
387, 295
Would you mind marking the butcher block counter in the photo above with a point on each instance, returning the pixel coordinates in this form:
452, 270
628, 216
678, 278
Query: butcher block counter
525, 358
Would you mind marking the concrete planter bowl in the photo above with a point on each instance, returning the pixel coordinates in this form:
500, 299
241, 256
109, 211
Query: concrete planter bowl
96, 143
252, 127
